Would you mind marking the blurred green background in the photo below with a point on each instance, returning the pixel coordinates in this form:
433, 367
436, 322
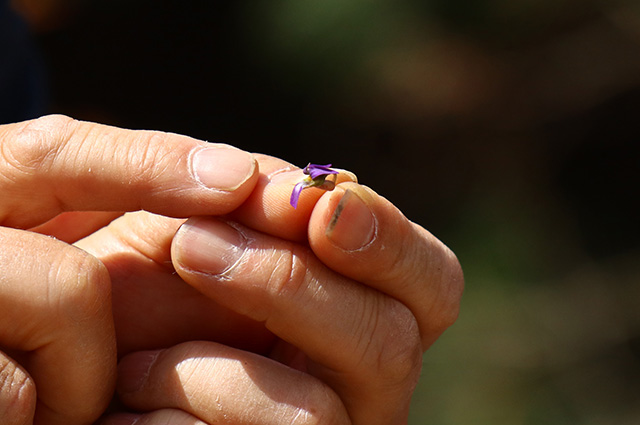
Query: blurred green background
509, 129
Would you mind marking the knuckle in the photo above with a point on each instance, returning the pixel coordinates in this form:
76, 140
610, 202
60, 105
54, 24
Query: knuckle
17, 393
451, 287
435, 271
393, 350
455, 286
35, 145
290, 277
84, 282
401, 260
147, 155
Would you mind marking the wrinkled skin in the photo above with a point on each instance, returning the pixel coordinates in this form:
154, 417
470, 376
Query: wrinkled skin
251, 311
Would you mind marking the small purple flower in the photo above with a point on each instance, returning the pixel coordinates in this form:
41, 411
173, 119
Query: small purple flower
316, 177
316, 171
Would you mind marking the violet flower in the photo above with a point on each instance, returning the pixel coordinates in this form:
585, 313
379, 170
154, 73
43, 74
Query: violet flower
316, 177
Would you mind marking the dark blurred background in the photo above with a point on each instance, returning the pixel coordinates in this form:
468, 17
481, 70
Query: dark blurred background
509, 129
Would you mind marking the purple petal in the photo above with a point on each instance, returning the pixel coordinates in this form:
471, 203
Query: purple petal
315, 170
295, 194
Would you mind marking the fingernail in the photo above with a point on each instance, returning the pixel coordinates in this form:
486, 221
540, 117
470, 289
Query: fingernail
223, 167
352, 225
134, 369
208, 246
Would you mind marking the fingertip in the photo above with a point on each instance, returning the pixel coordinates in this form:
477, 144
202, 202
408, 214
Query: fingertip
268, 208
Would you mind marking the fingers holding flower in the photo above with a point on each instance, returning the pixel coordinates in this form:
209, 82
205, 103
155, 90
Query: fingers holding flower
316, 177
358, 319
359, 234
270, 207
386, 276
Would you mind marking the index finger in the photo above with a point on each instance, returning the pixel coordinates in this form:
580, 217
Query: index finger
55, 164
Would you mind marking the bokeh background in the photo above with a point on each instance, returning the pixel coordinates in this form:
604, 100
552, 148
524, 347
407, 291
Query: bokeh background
508, 128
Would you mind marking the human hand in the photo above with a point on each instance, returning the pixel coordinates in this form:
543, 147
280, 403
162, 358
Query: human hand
58, 357
346, 316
